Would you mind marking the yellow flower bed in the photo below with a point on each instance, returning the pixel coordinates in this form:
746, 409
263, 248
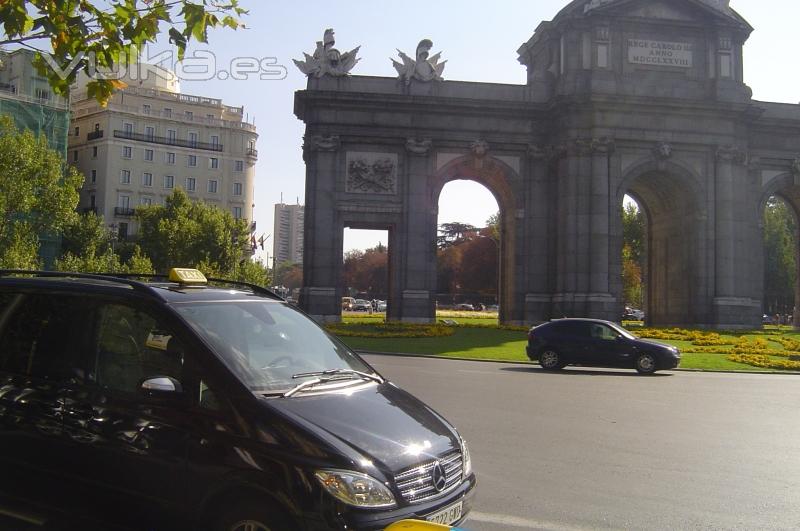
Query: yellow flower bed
760, 360
390, 330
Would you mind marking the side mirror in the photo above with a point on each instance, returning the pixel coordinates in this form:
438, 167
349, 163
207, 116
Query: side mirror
158, 385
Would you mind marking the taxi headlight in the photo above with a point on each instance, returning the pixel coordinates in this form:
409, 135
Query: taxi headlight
355, 488
466, 459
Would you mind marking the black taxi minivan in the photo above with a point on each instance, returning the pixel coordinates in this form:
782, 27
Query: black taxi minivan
178, 403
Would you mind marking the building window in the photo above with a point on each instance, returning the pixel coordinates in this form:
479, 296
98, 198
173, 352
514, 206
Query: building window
213, 163
92, 201
125, 177
169, 181
148, 155
150, 132
237, 188
42, 94
212, 186
193, 139
77, 131
210, 116
215, 140
94, 176
172, 136
238, 166
94, 152
146, 109
167, 112
128, 128
192, 161
189, 115
191, 184
122, 231
237, 212
75, 156
170, 158
124, 201
146, 201
147, 179
127, 152
96, 127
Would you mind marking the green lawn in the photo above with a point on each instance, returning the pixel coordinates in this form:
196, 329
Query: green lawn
489, 343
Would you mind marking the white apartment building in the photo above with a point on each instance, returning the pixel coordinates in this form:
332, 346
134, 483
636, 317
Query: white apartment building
151, 139
287, 243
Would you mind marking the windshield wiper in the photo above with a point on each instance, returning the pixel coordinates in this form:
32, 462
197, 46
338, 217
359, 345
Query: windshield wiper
328, 376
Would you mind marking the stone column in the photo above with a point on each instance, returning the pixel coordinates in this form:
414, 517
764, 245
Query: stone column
539, 235
732, 302
600, 302
417, 238
321, 294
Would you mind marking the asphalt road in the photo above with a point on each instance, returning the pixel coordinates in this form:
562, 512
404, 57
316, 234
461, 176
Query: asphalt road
596, 449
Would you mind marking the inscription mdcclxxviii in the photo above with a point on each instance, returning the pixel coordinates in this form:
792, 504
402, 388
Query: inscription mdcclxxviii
659, 53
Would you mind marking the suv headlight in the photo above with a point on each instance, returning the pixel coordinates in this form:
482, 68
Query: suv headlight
355, 488
466, 459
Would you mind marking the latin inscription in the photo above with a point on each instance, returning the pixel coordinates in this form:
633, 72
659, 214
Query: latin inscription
659, 53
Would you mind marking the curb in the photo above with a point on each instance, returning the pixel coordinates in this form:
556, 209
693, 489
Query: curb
523, 362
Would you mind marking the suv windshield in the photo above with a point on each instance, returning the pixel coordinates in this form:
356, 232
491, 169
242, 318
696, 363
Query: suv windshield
270, 346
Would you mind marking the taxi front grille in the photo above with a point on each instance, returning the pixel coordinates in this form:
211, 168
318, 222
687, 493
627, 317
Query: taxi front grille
416, 483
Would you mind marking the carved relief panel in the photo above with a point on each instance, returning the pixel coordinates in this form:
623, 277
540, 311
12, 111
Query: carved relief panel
371, 173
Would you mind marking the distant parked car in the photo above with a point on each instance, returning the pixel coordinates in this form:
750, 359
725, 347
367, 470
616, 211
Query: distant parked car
361, 305
464, 306
382, 306
596, 343
347, 304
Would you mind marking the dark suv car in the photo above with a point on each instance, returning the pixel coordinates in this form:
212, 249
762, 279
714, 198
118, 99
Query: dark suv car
159, 404
596, 343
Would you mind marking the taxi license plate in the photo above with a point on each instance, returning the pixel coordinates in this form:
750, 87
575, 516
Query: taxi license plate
447, 515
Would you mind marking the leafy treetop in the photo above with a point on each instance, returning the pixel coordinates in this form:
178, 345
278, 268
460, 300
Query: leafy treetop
72, 32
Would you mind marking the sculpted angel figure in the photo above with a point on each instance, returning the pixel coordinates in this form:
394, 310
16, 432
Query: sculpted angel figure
424, 68
327, 60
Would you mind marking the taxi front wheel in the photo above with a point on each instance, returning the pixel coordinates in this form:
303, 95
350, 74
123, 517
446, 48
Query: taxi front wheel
252, 516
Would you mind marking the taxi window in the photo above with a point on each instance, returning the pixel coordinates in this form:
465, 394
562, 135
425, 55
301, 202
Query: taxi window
131, 346
42, 336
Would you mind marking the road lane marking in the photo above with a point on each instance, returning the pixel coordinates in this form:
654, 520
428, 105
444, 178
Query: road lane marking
515, 521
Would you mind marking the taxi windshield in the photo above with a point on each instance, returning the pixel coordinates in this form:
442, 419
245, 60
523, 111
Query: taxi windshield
270, 346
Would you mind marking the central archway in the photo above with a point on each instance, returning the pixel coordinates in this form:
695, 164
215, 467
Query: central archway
503, 182
669, 196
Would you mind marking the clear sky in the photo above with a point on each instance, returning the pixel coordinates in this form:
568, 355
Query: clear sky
479, 39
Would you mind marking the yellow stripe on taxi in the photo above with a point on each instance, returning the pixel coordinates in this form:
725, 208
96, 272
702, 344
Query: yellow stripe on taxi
418, 525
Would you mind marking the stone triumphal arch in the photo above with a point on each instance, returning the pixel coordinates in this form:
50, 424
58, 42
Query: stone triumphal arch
624, 97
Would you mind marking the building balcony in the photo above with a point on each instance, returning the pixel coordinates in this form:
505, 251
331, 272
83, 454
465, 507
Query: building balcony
94, 135
252, 153
139, 137
124, 212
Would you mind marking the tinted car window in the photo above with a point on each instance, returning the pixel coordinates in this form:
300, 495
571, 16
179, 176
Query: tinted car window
42, 336
132, 346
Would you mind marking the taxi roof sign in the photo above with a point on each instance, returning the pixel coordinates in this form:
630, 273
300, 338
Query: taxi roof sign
184, 275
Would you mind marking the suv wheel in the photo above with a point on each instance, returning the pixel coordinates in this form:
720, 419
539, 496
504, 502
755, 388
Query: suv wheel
252, 517
646, 364
550, 360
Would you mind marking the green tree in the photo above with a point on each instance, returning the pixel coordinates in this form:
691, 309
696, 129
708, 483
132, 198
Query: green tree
105, 262
780, 274
453, 233
72, 34
633, 231
38, 194
85, 234
186, 233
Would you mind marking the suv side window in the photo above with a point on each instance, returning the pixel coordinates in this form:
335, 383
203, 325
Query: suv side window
131, 346
42, 336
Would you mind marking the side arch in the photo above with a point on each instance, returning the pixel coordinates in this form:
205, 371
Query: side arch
505, 185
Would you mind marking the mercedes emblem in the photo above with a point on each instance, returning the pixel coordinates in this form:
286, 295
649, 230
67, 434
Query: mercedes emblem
439, 477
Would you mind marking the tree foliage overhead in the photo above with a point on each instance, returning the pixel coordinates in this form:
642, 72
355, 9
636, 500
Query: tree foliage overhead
74, 33
38, 194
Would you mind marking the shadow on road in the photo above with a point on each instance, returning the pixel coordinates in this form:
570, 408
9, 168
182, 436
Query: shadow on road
584, 371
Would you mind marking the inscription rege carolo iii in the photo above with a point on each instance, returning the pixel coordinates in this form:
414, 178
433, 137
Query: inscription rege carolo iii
660, 53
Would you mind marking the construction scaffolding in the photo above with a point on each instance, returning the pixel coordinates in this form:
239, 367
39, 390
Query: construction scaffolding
38, 116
